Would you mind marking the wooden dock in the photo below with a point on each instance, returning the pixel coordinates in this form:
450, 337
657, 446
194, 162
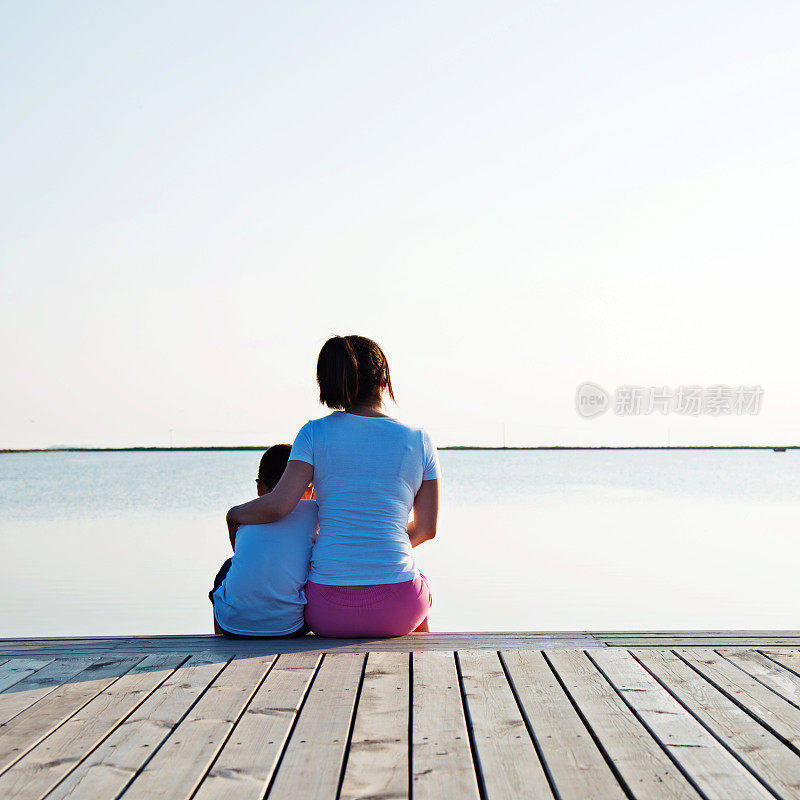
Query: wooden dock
563, 716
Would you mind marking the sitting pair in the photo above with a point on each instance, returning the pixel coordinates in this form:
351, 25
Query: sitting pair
260, 592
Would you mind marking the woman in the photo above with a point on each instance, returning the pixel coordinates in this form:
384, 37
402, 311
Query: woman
368, 471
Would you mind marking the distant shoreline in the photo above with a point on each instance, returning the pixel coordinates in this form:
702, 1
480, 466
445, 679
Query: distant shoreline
776, 447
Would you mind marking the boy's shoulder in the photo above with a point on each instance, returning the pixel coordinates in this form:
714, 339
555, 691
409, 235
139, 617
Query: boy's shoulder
304, 514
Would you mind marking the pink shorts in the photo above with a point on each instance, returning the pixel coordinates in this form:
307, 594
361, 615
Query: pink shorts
389, 609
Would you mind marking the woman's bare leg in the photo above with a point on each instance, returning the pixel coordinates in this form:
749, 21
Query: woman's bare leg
217, 628
423, 627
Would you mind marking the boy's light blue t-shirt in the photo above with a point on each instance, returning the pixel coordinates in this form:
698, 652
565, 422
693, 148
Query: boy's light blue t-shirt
367, 471
263, 593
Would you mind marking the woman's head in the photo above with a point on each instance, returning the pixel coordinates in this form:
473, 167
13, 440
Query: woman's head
350, 370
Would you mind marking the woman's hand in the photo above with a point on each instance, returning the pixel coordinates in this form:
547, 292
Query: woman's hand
426, 513
279, 502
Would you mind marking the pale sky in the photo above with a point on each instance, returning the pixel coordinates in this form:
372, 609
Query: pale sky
510, 197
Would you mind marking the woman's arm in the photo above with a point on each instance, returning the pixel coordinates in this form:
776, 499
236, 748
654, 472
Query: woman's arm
426, 513
277, 503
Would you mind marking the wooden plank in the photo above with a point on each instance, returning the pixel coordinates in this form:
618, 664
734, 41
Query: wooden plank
768, 672
777, 766
576, 766
759, 701
109, 642
363, 649
29, 727
190, 644
509, 764
33, 644
716, 773
441, 759
703, 634
308, 643
789, 659
448, 641
313, 760
378, 758
246, 763
109, 768
413, 643
47, 763
687, 641
179, 637
17, 669
642, 763
39, 684
182, 762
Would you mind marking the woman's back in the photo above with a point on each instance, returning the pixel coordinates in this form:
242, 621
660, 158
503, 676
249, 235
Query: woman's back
367, 471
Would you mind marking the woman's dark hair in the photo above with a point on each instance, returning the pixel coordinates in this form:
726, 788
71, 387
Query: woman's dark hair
272, 465
351, 369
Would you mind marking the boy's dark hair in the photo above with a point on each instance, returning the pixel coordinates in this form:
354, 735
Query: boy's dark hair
351, 369
272, 465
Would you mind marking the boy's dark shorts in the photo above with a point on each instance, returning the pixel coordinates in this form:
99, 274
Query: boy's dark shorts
223, 571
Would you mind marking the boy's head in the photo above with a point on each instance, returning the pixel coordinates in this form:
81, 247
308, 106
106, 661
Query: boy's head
273, 463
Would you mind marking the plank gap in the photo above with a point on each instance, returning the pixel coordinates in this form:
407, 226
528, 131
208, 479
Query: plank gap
349, 742
292, 727
598, 744
707, 728
647, 727
529, 727
158, 747
473, 748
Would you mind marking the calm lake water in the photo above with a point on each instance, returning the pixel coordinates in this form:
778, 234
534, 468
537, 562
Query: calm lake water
128, 543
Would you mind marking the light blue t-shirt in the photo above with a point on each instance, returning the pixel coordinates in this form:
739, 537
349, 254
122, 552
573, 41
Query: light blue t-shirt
367, 471
263, 593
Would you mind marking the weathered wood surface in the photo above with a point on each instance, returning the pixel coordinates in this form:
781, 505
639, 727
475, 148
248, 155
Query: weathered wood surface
764, 755
637, 758
578, 768
466, 717
315, 755
509, 766
63, 749
441, 761
376, 762
248, 760
43, 649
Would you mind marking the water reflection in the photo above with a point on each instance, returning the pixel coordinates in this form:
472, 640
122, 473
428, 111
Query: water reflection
128, 543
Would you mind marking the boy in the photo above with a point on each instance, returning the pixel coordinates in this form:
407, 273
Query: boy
260, 591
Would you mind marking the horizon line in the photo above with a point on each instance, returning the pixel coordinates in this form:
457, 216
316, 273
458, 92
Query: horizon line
229, 448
